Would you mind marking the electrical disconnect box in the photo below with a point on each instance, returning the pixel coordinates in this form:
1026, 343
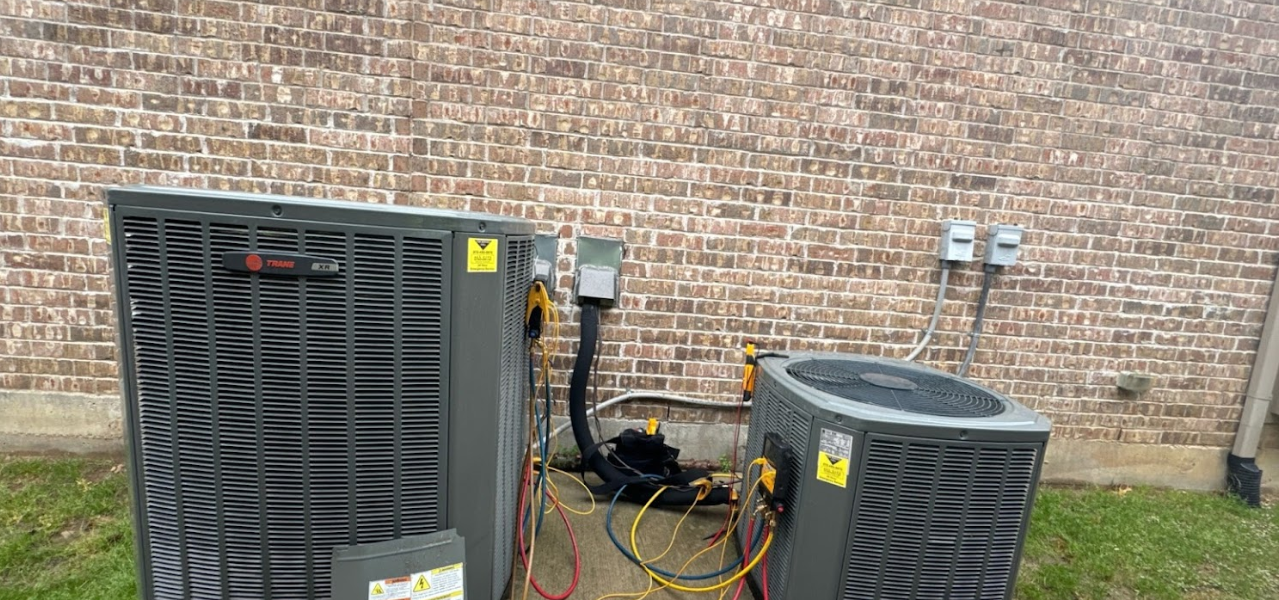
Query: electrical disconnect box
1002, 242
546, 247
957, 238
599, 268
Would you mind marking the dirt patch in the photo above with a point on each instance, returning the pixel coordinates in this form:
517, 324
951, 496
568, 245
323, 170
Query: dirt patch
109, 455
97, 473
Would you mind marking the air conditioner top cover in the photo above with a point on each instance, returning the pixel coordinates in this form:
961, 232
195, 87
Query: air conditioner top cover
323, 211
892, 396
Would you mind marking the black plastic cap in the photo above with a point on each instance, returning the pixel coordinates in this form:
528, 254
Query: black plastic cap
1243, 479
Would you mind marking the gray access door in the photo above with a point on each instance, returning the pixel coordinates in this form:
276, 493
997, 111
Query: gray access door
271, 418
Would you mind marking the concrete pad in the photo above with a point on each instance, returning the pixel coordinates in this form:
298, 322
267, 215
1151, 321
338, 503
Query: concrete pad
604, 569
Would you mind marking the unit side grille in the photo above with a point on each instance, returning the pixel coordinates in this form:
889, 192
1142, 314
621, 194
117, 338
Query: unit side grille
773, 413
512, 436
938, 520
274, 413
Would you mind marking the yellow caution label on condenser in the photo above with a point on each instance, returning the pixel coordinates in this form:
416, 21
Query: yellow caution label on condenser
832, 469
834, 453
481, 255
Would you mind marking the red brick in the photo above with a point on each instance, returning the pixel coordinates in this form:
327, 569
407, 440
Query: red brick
762, 165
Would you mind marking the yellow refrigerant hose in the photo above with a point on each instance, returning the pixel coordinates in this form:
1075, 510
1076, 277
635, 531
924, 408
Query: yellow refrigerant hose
675, 586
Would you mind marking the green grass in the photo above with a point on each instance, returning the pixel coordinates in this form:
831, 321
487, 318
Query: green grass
64, 531
1143, 543
64, 535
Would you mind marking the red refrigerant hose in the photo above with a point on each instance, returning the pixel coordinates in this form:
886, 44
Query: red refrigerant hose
577, 555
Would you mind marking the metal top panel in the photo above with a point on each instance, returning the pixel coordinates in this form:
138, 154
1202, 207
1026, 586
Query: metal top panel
316, 210
1017, 420
446, 543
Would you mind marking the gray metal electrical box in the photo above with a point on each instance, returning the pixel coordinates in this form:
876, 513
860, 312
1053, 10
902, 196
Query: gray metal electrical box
546, 260
957, 240
1002, 243
599, 268
906, 482
300, 375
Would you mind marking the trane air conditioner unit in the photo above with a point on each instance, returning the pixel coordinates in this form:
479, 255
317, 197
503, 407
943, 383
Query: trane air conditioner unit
300, 375
905, 482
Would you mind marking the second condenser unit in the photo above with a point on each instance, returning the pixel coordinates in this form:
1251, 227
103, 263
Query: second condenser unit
300, 375
905, 482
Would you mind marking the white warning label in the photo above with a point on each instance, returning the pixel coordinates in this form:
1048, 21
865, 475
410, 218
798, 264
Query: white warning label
444, 583
834, 451
396, 588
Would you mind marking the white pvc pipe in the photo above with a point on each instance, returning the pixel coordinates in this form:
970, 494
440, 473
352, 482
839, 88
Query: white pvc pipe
649, 396
1261, 382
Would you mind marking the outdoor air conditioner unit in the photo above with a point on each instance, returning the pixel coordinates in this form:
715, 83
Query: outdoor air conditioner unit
300, 375
906, 482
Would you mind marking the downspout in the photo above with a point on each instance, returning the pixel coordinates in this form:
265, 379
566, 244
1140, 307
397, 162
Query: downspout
1243, 478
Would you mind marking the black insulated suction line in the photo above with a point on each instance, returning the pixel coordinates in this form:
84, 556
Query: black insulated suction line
975, 336
592, 454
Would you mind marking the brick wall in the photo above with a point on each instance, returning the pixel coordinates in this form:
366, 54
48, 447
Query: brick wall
778, 168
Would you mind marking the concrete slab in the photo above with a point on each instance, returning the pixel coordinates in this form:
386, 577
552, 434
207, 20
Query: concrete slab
605, 570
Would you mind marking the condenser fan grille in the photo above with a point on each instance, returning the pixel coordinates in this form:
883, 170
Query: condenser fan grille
898, 387
279, 417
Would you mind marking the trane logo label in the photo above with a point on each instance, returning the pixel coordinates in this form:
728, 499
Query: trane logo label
280, 263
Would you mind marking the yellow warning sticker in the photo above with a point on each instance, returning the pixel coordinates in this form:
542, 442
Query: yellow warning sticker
481, 255
832, 469
444, 583
395, 588
834, 452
